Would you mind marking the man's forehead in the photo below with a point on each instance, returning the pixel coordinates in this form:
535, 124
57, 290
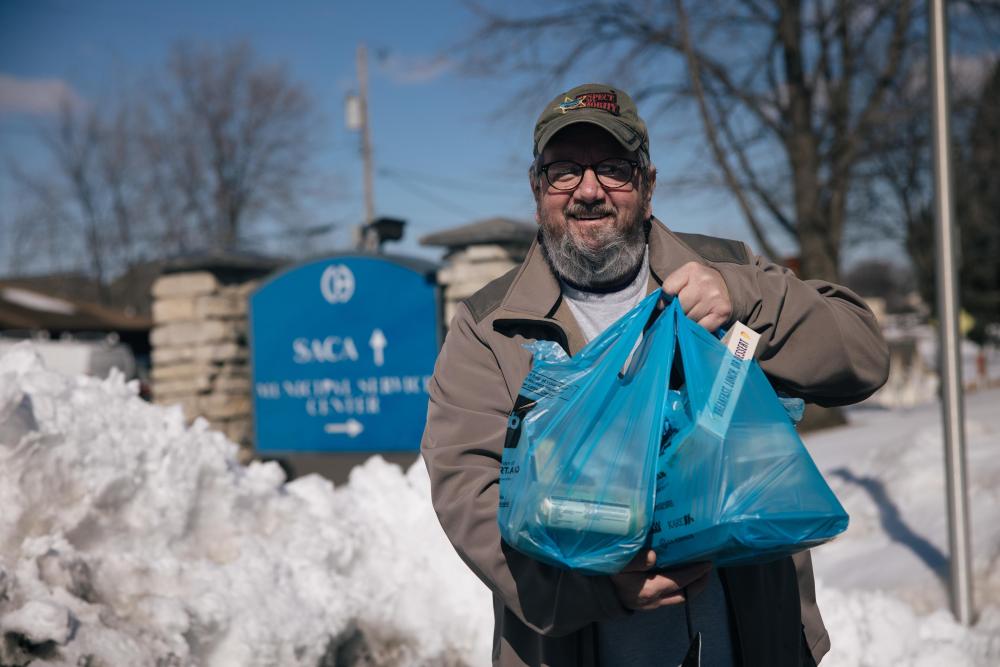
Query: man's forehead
585, 139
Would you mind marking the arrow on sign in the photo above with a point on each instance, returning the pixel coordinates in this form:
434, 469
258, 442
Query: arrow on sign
378, 343
351, 427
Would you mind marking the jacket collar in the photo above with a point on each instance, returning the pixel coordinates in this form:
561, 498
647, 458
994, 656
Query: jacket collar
535, 291
667, 252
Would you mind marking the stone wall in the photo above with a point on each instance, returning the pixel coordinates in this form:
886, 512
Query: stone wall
200, 356
468, 269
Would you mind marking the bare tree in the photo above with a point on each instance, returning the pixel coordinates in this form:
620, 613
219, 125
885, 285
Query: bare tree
89, 198
228, 140
217, 145
34, 236
977, 204
789, 94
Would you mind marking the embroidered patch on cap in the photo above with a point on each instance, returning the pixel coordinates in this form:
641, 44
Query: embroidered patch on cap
604, 101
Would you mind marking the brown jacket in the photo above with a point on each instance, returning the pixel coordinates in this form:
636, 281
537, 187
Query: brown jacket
818, 341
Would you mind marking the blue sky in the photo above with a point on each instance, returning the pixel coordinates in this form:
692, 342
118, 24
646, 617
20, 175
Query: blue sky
449, 149
432, 126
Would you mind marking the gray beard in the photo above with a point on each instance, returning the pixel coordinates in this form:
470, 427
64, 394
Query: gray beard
618, 258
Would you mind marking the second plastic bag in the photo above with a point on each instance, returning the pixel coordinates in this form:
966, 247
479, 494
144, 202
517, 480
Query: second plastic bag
735, 484
578, 467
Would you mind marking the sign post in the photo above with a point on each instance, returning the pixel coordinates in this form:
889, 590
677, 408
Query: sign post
342, 350
952, 406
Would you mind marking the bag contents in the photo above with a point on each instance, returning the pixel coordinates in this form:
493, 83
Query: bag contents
576, 483
604, 457
735, 484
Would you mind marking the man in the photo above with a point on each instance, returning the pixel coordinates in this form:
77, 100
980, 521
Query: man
598, 253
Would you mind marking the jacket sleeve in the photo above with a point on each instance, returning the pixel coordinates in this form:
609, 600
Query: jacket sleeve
819, 341
462, 448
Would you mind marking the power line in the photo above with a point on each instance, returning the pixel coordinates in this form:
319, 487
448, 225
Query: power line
438, 181
441, 202
299, 232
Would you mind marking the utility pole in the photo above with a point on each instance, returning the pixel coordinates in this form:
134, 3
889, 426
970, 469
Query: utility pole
947, 288
372, 232
356, 112
366, 139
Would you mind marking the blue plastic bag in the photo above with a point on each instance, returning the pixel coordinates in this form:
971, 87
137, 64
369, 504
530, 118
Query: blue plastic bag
578, 466
735, 484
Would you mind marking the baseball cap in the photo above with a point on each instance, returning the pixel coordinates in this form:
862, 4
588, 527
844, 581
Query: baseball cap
603, 105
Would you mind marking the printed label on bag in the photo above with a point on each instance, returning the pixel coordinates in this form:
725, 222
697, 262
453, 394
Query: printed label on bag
511, 459
510, 468
729, 381
537, 386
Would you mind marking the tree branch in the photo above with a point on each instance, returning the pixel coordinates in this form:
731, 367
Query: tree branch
750, 179
713, 141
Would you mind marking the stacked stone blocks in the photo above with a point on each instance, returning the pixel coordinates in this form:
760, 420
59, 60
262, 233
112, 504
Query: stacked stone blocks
200, 353
468, 269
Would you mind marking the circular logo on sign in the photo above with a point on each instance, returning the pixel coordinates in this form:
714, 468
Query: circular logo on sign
337, 284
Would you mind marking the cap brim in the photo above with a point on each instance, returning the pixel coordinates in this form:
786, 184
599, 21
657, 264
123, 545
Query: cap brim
624, 134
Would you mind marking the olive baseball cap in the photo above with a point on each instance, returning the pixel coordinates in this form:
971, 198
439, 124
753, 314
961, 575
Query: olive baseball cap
603, 105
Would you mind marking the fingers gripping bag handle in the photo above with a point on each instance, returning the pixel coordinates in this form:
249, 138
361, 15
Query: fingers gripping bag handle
576, 483
737, 486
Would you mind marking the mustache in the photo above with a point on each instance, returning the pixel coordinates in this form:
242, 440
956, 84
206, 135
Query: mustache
595, 210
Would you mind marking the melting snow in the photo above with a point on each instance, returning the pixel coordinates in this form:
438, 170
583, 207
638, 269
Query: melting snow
128, 538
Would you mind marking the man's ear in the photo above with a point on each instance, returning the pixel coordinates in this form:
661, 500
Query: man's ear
534, 182
650, 185
536, 190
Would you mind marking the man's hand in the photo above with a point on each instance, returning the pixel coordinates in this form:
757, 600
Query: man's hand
703, 294
640, 589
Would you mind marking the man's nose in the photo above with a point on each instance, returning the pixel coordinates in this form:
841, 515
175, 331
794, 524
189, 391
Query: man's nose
590, 188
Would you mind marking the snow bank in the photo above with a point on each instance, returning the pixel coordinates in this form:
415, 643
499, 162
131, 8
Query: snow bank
875, 628
887, 468
129, 538
891, 566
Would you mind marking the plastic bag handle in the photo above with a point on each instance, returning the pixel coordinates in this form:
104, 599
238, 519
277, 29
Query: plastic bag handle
661, 305
665, 302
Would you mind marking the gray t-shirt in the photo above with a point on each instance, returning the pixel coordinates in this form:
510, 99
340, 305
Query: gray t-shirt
657, 637
596, 311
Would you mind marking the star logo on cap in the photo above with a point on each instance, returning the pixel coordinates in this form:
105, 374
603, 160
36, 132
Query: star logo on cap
569, 104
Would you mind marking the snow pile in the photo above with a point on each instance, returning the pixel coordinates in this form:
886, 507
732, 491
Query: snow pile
875, 628
127, 538
891, 566
887, 468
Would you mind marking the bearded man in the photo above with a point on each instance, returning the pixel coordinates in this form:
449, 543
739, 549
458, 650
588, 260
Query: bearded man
599, 252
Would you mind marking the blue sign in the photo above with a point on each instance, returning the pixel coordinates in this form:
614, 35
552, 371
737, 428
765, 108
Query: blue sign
342, 351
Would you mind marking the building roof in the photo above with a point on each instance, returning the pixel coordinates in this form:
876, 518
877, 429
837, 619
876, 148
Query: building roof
129, 293
72, 285
31, 309
491, 230
227, 266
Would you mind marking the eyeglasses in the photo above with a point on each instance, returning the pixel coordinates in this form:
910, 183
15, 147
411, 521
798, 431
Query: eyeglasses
614, 172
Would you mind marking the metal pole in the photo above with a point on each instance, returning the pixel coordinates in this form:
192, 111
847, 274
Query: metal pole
366, 141
948, 308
